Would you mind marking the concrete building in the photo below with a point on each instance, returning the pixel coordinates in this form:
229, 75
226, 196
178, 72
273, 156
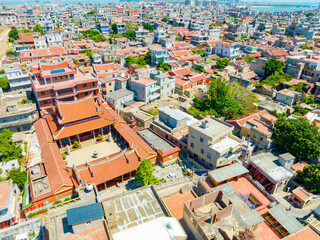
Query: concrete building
158, 53
167, 152
228, 50
268, 171
212, 143
289, 97
16, 116
54, 40
145, 89
18, 79
8, 203
40, 42
166, 83
227, 210
173, 124
119, 98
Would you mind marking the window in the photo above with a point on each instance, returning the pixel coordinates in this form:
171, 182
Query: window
84, 85
201, 139
43, 93
202, 151
209, 155
86, 93
192, 145
192, 135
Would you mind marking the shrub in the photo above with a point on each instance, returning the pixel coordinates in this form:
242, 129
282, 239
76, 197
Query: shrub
64, 156
116, 139
67, 199
76, 144
57, 202
99, 138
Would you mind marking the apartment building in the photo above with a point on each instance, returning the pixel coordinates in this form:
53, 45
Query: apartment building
212, 143
8, 203
166, 83
61, 82
54, 40
40, 42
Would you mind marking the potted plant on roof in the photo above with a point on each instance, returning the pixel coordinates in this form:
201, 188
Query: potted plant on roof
99, 138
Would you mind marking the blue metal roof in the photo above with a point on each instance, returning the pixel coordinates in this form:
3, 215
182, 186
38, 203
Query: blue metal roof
62, 70
84, 213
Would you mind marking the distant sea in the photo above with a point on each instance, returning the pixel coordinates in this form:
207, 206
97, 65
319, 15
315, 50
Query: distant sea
272, 9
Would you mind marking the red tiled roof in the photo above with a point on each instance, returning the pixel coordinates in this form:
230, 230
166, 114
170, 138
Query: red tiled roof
55, 167
306, 233
43, 132
71, 111
26, 39
98, 232
4, 190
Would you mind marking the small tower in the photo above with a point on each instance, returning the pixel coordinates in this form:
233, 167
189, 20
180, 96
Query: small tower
132, 122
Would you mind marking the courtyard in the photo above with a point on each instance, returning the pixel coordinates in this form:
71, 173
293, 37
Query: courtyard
89, 148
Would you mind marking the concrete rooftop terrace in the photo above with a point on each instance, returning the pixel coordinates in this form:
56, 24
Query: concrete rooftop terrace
132, 208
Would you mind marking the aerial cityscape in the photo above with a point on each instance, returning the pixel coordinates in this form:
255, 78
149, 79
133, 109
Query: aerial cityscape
159, 120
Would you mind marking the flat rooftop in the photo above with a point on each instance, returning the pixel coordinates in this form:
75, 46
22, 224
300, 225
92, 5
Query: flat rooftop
211, 126
228, 172
225, 144
268, 162
119, 94
132, 208
155, 140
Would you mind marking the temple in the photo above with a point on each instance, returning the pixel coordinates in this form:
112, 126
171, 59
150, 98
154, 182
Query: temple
83, 120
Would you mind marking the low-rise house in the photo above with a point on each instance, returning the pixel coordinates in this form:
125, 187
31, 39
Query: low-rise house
167, 152
16, 116
211, 142
227, 49
269, 172
8, 203
119, 98
289, 97
18, 79
145, 89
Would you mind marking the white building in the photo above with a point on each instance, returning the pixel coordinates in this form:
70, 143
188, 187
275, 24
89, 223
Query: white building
40, 42
54, 40
227, 50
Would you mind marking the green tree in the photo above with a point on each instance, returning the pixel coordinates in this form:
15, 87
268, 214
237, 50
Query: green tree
13, 35
310, 178
144, 173
222, 63
130, 35
147, 57
272, 67
2, 71
300, 111
25, 101
201, 68
165, 19
198, 51
4, 84
164, 67
310, 14
39, 29
114, 28
18, 177
274, 80
148, 27
224, 100
184, 37
248, 59
130, 60
304, 137
309, 99
306, 47
9, 150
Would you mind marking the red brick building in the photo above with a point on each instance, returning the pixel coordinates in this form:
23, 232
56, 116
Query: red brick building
63, 82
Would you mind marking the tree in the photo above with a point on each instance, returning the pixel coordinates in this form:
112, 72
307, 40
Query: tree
198, 51
310, 14
309, 99
9, 150
2, 71
165, 19
144, 173
304, 138
4, 84
201, 68
148, 27
184, 37
13, 35
164, 67
248, 59
130, 34
310, 178
130, 60
224, 100
18, 177
222, 63
114, 28
25, 101
147, 57
274, 80
272, 67
306, 47
39, 29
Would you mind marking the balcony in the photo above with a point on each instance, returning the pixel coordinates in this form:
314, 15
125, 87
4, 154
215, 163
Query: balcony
152, 90
154, 96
